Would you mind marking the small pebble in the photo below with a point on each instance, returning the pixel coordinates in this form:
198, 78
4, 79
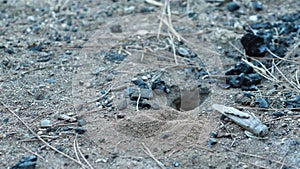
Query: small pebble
147, 10
233, 6
213, 134
116, 29
5, 120
290, 113
262, 102
253, 18
165, 135
145, 78
129, 10
278, 114
212, 142
122, 105
68, 52
176, 164
45, 123
183, 52
81, 122
257, 6
80, 130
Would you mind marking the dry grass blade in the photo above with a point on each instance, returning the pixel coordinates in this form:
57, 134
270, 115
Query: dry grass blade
138, 100
148, 152
263, 71
260, 157
82, 156
293, 84
39, 138
32, 152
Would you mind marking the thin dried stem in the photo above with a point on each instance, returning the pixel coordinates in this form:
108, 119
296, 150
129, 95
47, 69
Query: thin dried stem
148, 152
82, 156
39, 138
138, 100
260, 157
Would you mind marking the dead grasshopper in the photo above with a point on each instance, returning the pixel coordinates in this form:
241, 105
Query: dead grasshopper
247, 121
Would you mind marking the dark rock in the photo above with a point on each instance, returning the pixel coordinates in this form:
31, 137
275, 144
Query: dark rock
176, 164
5, 120
165, 135
233, 6
140, 83
246, 81
147, 9
5, 62
81, 122
183, 52
74, 29
114, 56
262, 102
36, 48
251, 79
240, 67
26, 163
9, 51
234, 81
67, 39
213, 134
278, 114
257, 6
254, 45
160, 85
142, 104
79, 130
67, 128
143, 93
294, 102
212, 142
249, 88
192, 15
116, 29
265, 25
45, 58
109, 13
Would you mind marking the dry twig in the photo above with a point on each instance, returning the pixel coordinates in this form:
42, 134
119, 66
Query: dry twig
148, 152
82, 156
138, 100
39, 138
32, 152
260, 157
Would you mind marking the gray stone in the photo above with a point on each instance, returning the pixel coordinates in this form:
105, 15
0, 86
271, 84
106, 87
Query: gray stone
45, 123
183, 52
122, 105
145, 94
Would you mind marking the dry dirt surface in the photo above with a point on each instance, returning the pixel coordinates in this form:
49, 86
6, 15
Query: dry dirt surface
131, 84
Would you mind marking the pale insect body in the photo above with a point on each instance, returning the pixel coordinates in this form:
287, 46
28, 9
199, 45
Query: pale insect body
238, 114
245, 120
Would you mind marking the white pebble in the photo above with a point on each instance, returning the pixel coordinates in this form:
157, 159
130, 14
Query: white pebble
253, 18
